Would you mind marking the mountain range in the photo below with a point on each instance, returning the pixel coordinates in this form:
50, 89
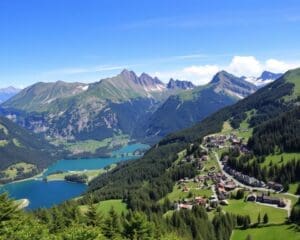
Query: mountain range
22, 153
265, 78
7, 93
142, 107
272, 112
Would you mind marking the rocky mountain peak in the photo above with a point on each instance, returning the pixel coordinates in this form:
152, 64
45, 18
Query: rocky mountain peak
232, 85
179, 84
129, 75
266, 75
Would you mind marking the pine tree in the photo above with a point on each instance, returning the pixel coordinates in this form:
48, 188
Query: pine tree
258, 219
8, 209
93, 218
111, 226
249, 237
137, 227
298, 190
266, 218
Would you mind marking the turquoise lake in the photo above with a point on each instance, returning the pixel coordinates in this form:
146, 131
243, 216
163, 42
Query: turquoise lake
47, 194
44, 194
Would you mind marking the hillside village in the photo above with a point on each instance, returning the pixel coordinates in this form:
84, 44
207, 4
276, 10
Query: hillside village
223, 181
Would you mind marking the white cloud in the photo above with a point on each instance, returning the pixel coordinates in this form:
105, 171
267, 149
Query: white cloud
239, 66
245, 65
199, 75
277, 66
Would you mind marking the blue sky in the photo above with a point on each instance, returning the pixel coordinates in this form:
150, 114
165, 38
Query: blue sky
76, 40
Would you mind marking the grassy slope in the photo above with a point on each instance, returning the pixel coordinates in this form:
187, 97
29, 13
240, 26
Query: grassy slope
178, 194
276, 215
279, 232
213, 124
91, 146
23, 146
103, 207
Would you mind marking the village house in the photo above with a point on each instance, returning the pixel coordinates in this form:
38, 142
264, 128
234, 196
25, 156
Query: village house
243, 178
263, 198
271, 200
178, 206
276, 186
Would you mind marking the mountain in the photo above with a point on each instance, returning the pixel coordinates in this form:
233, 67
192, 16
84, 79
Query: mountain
78, 111
179, 84
265, 78
266, 107
124, 104
189, 107
6, 93
22, 153
232, 85
39, 96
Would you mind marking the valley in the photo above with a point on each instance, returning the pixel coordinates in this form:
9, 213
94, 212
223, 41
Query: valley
149, 120
228, 169
51, 186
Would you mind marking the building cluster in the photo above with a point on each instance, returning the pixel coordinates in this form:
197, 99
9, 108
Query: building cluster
263, 198
230, 140
244, 178
222, 188
189, 203
251, 181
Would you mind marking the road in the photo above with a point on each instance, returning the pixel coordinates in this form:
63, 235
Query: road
238, 183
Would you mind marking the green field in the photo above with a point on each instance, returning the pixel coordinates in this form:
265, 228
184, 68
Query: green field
293, 188
240, 207
91, 146
90, 173
16, 142
61, 176
12, 171
280, 158
178, 194
104, 206
4, 129
227, 129
244, 130
280, 232
3, 143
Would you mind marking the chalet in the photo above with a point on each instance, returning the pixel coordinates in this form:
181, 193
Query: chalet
251, 181
224, 202
276, 186
200, 201
179, 206
270, 200
229, 186
251, 198
214, 203
225, 159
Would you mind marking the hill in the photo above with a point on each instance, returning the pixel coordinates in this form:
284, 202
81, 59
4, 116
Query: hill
22, 153
125, 105
6, 93
265, 78
76, 111
278, 97
187, 108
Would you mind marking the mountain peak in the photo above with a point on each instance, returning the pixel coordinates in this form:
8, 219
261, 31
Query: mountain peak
180, 84
266, 75
10, 89
221, 76
265, 78
232, 85
128, 74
